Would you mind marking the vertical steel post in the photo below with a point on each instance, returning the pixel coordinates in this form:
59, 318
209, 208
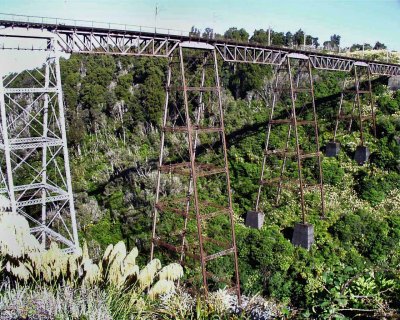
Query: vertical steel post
160, 162
192, 155
296, 75
65, 149
271, 116
358, 99
303, 209
371, 98
320, 175
190, 189
339, 111
6, 142
289, 133
44, 151
228, 182
191, 87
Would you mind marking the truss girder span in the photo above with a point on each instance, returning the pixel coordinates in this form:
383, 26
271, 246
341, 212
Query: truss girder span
95, 40
117, 44
35, 173
193, 217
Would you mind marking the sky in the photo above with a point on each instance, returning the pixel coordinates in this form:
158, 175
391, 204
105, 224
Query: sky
356, 21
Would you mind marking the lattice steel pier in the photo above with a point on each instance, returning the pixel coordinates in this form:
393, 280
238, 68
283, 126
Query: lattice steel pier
35, 173
193, 187
356, 106
294, 89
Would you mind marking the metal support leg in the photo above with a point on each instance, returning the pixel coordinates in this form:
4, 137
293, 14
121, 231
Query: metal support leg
271, 116
4, 126
319, 154
44, 151
193, 99
300, 82
228, 183
296, 134
65, 152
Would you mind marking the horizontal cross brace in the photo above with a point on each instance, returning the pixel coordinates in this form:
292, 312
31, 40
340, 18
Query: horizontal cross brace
30, 90
292, 122
194, 128
184, 168
32, 143
33, 202
219, 254
207, 209
35, 186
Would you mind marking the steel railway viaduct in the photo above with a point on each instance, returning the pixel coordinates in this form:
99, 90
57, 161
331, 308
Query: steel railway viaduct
33, 130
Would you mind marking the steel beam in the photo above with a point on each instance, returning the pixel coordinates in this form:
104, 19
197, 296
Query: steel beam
73, 38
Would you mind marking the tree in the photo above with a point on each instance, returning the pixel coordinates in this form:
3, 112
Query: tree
356, 47
277, 38
309, 40
194, 32
367, 46
335, 39
208, 33
379, 46
315, 42
247, 77
236, 34
288, 39
298, 37
260, 36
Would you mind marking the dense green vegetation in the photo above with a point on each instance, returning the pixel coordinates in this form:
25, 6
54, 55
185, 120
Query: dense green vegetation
114, 107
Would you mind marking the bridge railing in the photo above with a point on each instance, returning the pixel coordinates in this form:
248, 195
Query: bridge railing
90, 24
388, 58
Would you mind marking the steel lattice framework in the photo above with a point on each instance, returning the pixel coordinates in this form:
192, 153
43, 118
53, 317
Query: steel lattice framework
193, 114
357, 95
33, 132
293, 81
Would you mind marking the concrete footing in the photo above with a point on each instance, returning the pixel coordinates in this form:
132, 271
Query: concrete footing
362, 155
332, 149
303, 235
254, 219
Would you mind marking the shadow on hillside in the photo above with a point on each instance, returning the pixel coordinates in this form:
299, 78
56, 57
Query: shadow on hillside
231, 138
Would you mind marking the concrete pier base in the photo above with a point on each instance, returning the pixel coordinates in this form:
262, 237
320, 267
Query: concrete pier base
303, 235
362, 155
254, 219
332, 149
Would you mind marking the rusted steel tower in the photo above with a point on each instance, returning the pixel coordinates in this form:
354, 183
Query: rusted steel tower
356, 106
292, 120
193, 186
